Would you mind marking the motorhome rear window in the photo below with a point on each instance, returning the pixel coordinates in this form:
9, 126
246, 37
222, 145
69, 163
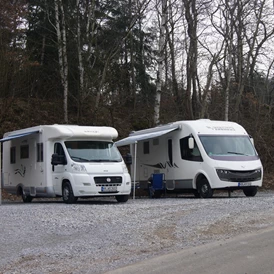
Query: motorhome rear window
40, 152
24, 152
13, 155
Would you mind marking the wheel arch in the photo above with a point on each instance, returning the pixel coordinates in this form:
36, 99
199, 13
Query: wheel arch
65, 180
19, 190
199, 177
68, 195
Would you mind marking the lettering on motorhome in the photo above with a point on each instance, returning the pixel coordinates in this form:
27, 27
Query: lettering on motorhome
91, 131
222, 128
163, 165
21, 171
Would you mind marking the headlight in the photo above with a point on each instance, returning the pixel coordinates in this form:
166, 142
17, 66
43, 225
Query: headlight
223, 174
125, 170
78, 168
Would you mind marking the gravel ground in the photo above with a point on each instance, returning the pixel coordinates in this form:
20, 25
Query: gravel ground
95, 236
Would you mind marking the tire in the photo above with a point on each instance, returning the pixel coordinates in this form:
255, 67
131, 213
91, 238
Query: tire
204, 189
250, 191
196, 194
67, 192
122, 198
26, 198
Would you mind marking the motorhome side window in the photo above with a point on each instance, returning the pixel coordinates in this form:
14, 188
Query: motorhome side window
40, 152
24, 152
170, 151
58, 149
13, 155
190, 154
146, 147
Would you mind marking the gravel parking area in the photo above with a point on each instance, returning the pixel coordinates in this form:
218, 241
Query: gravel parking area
98, 235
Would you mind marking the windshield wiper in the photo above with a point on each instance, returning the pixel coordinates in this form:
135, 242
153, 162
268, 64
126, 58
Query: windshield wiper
79, 158
237, 153
103, 160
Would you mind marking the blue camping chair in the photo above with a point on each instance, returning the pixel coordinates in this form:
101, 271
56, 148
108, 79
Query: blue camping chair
158, 185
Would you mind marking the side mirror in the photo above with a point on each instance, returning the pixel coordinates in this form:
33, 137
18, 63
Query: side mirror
252, 140
128, 159
58, 159
190, 142
55, 159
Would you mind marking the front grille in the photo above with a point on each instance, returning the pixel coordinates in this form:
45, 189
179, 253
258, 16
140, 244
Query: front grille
108, 181
243, 178
239, 176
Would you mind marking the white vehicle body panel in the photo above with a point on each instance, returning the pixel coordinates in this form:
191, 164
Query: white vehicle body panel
38, 178
164, 154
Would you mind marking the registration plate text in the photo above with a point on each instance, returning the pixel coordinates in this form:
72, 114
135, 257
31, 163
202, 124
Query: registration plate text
109, 188
244, 184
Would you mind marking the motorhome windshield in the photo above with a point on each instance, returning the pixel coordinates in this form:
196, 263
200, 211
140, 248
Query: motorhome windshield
93, 151
229, 148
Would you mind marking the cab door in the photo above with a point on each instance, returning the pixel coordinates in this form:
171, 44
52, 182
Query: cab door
191, 162
58, 170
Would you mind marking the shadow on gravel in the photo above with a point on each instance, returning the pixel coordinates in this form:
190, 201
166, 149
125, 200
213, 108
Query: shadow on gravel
108, 200
80, 202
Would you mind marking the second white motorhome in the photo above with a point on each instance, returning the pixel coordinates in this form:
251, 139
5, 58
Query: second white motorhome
64, 161
196, 156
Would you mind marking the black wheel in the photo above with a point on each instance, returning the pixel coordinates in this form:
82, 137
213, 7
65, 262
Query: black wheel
250, 191
121, 198
68, 196
26, 198
196, 194
204, 189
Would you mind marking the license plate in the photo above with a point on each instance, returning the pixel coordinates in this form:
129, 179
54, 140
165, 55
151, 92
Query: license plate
109, 188
244, 184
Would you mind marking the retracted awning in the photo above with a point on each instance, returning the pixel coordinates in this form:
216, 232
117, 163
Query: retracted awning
135, 138
14, 136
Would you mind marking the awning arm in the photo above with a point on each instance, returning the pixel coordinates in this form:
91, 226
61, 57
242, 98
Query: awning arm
145, 136
14, 136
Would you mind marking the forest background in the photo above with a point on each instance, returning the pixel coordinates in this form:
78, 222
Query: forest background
134, 64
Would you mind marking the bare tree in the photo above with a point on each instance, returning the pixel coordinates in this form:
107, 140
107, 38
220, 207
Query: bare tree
62, 51
160, 62
224, 27
192, 55
174, 18
252, 30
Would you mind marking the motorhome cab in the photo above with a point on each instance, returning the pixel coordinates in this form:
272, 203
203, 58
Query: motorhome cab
64, 160
196, 156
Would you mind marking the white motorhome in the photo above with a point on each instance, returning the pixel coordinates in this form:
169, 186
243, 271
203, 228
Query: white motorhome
196, 156
64, 160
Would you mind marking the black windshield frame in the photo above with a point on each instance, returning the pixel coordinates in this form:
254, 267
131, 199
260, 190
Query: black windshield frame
229, 147
93, 151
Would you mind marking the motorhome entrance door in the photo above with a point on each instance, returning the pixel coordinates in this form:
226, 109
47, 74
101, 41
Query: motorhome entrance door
170, 165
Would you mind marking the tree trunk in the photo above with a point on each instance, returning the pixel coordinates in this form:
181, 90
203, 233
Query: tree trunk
160, 63
62, 52
80, 59
191, 18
